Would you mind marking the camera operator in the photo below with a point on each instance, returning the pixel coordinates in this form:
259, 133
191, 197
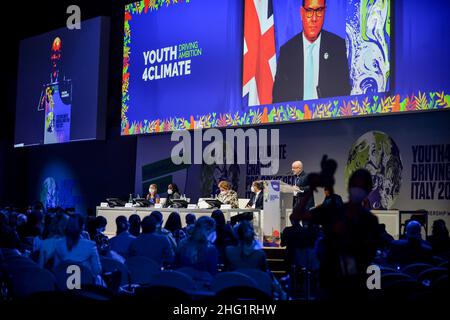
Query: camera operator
350, 234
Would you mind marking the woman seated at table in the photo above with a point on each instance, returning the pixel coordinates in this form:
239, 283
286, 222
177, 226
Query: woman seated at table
228, 196
153, 196
172, 194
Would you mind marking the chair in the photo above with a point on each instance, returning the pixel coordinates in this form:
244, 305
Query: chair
236, 293
11, 253
173, 279
262, 279
231, 279
445, 255
88, 293
18, 261
386, 269
92, 293
438, 260
429, 276
60, 272
388, 278
142, 269
160, 294
27, 280
202, 279
111, 265
443, 279
403, 289
416, 268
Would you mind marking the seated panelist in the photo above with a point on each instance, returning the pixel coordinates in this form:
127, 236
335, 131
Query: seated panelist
227, 195
257, 199
153, 196
173, 193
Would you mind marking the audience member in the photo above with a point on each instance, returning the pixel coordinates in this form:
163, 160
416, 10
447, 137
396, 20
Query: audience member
73, 248
173, 225
56, 230
121, 242
190, 222
30, 232
135, 225
9, 241
151, 244
412, 249
224, 234
439, 239
384, 237
332, 199
98, 227
244, 255
162, 231
197, 251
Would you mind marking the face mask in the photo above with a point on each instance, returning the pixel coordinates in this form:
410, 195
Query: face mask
252, 189
212, 237
170, 191
152, 190
357, 195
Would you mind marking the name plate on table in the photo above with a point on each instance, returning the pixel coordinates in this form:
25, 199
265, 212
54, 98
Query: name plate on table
225, 206
192, 206
158, 206
128, 205
103, 204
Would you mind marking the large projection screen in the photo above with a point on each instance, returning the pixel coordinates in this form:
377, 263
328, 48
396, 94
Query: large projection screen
207, 64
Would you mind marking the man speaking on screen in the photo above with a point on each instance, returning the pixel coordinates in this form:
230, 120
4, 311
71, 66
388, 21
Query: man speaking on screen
313, 64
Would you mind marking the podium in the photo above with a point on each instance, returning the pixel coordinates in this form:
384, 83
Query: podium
278, 198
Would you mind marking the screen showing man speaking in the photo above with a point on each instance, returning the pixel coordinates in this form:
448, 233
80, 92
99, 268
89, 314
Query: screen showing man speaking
203, 64
311, 49
61, 89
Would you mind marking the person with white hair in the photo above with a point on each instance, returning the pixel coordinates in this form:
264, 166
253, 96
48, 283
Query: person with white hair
301, 186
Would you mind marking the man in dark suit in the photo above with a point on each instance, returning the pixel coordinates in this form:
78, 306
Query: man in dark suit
313, 64
257, 200
301, 186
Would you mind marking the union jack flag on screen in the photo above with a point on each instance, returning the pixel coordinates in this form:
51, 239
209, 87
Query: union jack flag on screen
260, 60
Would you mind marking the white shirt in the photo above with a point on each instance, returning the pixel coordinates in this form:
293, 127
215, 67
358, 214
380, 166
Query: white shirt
316, 62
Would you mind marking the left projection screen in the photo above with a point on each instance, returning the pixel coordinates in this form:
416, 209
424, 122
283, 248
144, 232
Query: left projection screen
62, 85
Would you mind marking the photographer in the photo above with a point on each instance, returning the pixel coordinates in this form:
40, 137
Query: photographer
350, 234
